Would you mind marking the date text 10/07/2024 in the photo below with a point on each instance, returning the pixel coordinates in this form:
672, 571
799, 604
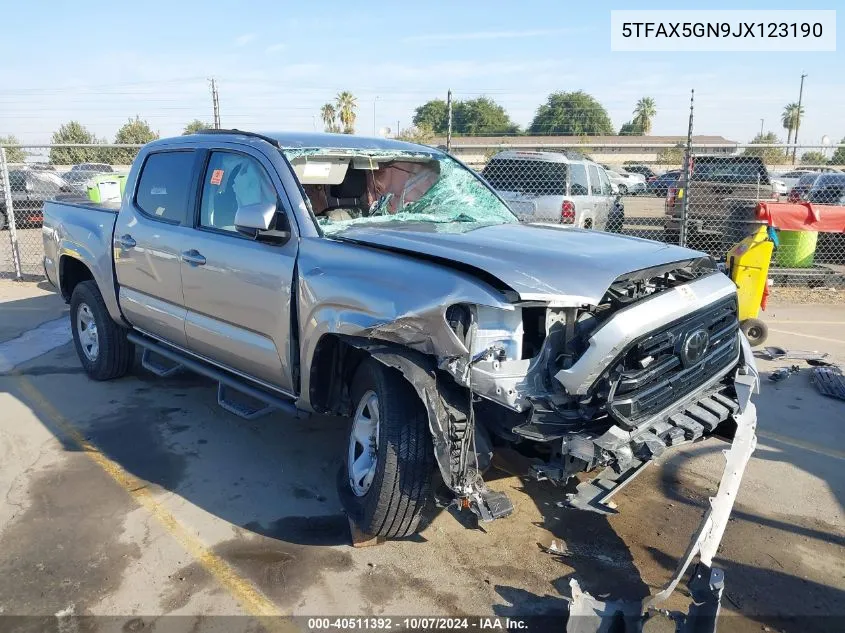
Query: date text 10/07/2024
416, 623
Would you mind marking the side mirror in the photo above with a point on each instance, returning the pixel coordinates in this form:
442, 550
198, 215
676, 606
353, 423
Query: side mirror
263, 222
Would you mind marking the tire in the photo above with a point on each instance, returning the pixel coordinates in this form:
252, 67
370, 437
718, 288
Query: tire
756, 331
400, 486
113, 354
2, 219
623, 190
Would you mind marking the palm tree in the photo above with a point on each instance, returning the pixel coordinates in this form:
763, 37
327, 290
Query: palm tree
346, 104
329, 115
644, 113
790, 118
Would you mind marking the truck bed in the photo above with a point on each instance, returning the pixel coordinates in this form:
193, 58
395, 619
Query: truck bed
75, 226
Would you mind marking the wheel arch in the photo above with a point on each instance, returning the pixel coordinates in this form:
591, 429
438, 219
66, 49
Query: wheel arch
72, 272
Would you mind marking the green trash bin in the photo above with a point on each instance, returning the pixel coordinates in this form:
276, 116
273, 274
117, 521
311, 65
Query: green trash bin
796, 249
107, 187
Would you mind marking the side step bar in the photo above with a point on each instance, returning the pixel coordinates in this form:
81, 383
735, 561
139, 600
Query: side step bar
223, 378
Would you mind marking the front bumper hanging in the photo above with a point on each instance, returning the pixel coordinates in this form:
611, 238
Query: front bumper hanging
589, 615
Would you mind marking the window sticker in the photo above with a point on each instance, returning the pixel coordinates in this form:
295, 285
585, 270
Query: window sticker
216, 177
158, 191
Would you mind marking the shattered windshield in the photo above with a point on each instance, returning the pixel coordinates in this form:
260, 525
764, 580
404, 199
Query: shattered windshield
354, 187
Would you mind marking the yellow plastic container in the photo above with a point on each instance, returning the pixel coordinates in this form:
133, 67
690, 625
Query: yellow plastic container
748, 266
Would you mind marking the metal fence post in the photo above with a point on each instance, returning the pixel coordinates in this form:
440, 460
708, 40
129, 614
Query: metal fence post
10, 212
682, 237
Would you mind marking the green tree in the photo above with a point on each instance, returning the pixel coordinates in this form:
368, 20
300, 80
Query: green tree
346, 104
195, 126
838, 157
133, 131
432, 115
671, 155
480, 116
73, 132
770, 155
329, 116
630, 129
644, 112
571, 114
13, 154
813, 158
417, 134
789, 118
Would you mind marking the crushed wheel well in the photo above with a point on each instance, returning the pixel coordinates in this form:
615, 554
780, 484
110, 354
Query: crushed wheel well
332, 368
72, 272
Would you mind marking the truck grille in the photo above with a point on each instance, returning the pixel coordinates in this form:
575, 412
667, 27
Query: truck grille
663, 367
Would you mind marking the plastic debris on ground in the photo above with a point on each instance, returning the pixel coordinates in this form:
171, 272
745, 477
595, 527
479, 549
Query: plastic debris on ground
782, 373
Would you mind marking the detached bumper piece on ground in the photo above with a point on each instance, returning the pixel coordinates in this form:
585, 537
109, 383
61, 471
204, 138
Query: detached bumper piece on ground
589, 615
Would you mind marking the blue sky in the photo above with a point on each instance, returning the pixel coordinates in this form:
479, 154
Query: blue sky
276, 63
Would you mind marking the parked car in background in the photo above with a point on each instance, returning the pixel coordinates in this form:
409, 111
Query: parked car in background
644, 170
97, 168
552, 187
828, 189
779, 186
801, 189
627, 183
659, 186
30, 189
79, 175
790, 178
722, 192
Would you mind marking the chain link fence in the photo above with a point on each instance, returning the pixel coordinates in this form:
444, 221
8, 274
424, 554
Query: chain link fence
629, 187
31, 175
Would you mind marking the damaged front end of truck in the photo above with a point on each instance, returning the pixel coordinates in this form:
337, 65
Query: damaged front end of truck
594, 391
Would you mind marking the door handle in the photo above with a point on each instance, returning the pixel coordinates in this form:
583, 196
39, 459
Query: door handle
193, 257
126, 241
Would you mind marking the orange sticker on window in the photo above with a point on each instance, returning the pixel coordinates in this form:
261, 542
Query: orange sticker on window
216, 176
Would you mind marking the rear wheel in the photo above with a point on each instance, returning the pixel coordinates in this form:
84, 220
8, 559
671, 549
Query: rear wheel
623, 189
101, 344
385, 481
2, 220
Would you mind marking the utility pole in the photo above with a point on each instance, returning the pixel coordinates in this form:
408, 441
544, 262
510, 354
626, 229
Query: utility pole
798, 118
215, 100
682, 237
761, 127
374, 115
449, 121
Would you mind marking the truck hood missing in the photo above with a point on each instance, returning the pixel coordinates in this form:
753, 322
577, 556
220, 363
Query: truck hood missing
562, 266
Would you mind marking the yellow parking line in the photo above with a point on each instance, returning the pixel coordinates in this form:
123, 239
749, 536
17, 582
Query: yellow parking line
241, 589
827, 339
807, 446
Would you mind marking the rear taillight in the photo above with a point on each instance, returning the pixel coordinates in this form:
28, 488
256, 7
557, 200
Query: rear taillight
567, 212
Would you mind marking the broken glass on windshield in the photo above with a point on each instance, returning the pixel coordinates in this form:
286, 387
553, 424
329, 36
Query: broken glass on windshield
353, 187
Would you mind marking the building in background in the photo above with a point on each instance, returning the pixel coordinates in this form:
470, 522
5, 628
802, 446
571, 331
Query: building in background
612, 150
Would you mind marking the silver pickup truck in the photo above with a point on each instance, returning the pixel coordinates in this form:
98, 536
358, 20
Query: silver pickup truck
386, 282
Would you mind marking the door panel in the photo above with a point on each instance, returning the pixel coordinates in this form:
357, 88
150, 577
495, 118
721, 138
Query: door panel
238, 297
238, 304
148, 241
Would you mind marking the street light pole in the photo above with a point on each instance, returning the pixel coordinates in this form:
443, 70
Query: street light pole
761, 127
798, 118
374, 115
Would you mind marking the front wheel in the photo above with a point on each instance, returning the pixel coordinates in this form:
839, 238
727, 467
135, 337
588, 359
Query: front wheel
385, 481
623, 190
101, 344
